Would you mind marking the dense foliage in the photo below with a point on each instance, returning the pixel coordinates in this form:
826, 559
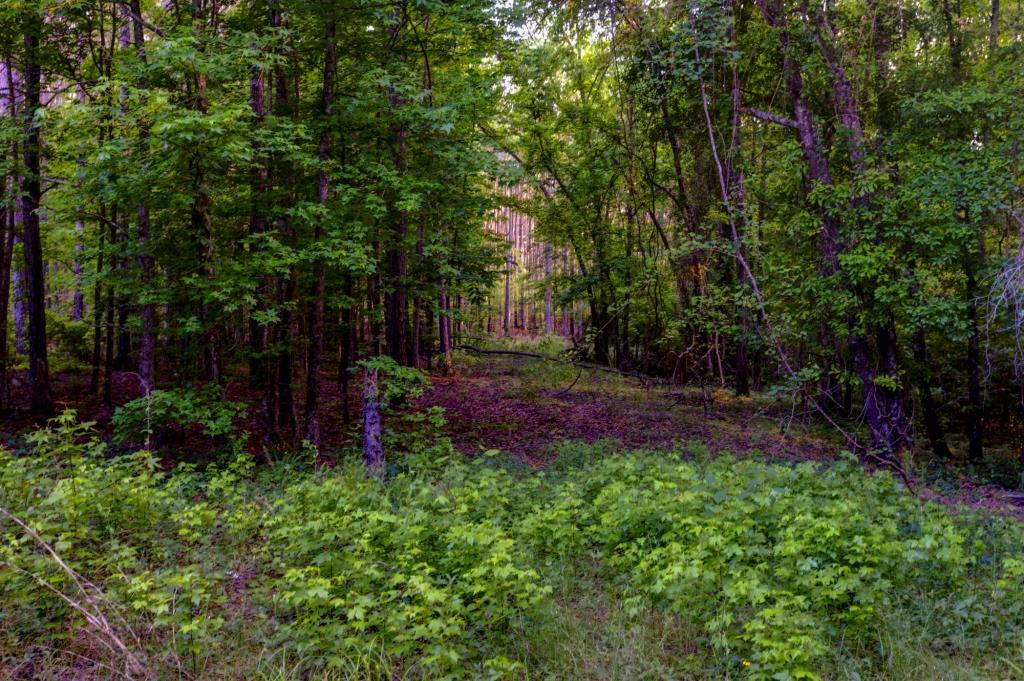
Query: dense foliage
455, 569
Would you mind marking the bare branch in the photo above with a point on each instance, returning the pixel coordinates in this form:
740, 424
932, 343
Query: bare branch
770, 117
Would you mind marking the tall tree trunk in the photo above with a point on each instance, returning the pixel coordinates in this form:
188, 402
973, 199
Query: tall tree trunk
415, 358
147, 311
346, 350
933, 425
108, 356
97, 304
395, 301
39, 367
549, 314
973, 412
6, 253
311, 420
20, 297
7, 225
260, 185
506, 324
883, 409
565, 308
285, 332
78, 295
395, 297
444, 329
738, 196
262, 370
13, 82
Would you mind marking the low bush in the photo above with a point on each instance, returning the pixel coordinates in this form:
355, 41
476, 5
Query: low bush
163, 413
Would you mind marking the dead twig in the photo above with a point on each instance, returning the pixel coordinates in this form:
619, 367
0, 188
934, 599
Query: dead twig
571, 385
87, 605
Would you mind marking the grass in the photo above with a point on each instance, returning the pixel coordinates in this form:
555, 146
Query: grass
586, 632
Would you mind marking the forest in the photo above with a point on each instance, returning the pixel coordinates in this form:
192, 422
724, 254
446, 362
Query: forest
512, 339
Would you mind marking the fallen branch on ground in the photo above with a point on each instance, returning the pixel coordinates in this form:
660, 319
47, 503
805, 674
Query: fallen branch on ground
88, 605
582, 365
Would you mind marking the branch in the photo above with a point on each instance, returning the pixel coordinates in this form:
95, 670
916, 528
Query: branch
770, 117
537, 355
127, 8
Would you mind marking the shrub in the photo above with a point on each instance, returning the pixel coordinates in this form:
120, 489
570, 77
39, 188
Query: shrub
163, 412
72, 340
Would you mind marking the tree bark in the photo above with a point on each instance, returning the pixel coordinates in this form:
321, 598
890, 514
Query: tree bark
373, 447
108, 355
78, 295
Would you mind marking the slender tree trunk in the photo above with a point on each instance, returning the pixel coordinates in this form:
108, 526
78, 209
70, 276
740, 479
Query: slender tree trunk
883, 409
108, 358
78, 295
285, 331
549, 315
147, 310
285, 393
373, 447
20, 297
506, 323
311, 420
565, 309
395, 300
7, 225
738, 196
415, 347
346, 351
262, 370
260, 186
444, 329
372, 311
39, 367
973, 412
97, 305
7, 246
13, 82
933, 425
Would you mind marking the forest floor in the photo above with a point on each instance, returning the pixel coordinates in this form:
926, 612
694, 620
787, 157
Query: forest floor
528, 408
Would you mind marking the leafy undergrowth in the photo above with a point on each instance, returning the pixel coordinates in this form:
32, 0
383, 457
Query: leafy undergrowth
636, 565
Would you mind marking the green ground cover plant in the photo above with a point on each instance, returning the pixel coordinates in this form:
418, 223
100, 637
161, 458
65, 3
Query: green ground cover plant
606, 564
